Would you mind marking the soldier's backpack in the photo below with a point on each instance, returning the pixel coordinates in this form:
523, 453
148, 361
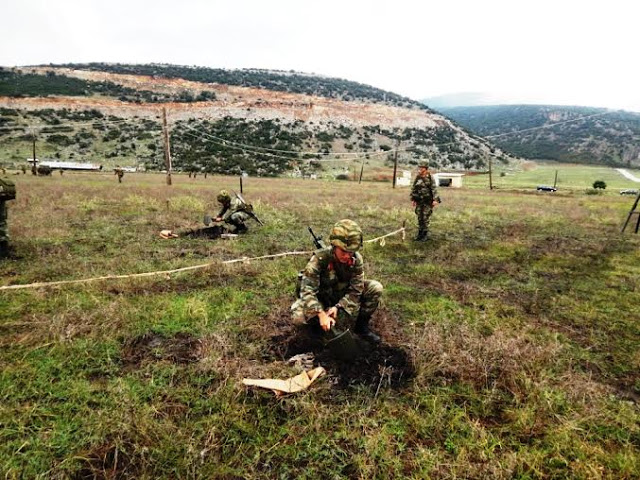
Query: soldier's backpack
7, 189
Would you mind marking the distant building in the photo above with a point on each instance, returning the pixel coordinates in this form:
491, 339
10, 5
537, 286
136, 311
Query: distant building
453, 180
405, 179
57, 165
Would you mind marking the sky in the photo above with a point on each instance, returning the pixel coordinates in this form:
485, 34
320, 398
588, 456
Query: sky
561, 52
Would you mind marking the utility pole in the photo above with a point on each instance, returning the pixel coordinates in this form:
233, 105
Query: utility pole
395, 163
555, 180
167, 152
34, 168
490, 173
361, 172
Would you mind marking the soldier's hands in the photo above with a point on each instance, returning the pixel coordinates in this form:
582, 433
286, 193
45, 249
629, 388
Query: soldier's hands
218, 219
326, 322
434, 203
333, 312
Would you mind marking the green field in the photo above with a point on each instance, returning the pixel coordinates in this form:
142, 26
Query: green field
510, 340
570, 177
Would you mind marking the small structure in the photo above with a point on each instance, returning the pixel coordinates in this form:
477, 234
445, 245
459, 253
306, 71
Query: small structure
405, 179
453, 180
57, 165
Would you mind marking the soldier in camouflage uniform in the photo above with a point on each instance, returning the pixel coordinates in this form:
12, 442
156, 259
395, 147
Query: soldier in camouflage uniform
7, 192
424, 196
232, 211
333, 281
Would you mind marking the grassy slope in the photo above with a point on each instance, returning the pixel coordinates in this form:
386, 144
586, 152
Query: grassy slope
512, 342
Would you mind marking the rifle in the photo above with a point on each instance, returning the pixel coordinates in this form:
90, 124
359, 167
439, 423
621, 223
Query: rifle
248, 208
317, 241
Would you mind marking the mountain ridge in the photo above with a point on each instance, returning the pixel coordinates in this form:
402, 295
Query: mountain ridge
577, 134
312, 126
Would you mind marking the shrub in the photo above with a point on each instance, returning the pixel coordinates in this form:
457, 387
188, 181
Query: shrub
599, 184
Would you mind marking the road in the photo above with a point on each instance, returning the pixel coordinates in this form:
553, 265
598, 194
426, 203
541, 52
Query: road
630, 176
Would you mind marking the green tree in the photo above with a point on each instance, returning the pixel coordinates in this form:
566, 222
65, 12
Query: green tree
599, 184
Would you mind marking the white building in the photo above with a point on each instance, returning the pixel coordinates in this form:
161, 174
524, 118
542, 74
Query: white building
453, 180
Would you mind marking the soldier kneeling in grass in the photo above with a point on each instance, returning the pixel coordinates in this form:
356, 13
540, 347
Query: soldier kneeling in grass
234, 211
333, 281
7, 192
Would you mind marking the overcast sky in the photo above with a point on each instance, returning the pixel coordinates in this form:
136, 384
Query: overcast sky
527, 51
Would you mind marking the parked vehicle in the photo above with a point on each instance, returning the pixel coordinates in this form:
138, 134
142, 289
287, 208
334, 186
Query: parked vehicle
546, 188
628, 191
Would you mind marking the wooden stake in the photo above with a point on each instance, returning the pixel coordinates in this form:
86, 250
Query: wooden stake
361, 171
395, 164
633, 212
167, 151
555, 180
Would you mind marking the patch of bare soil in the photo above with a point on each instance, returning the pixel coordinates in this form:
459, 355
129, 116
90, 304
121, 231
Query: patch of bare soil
107, 461
387, 365
211, 233
150, 347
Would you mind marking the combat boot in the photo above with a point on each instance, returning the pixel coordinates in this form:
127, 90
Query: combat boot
425, 235
241, 228
419, 236
362, 329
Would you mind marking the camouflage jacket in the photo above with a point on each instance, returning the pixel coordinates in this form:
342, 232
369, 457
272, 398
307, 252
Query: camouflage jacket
236, 205
424, 190
327, 283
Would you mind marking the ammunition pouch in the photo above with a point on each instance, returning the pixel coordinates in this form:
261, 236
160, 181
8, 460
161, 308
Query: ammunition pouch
7, 189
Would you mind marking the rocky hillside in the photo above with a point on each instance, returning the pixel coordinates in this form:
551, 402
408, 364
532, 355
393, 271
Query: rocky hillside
264, 123
570, 134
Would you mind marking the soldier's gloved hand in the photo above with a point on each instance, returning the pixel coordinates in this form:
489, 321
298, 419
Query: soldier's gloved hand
333, 312
326, 322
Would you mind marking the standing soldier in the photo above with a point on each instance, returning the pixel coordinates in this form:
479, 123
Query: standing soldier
233, 211
7, 192
333, 281
424, 197
120, 173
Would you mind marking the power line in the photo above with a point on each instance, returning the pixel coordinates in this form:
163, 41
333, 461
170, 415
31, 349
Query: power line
549, 125
277, 150
251, 149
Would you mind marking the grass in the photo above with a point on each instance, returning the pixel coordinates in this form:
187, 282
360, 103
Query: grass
510, 339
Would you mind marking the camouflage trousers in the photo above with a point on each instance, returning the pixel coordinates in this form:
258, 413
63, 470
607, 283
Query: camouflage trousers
423, 212
237, 219
4, 228
369, 301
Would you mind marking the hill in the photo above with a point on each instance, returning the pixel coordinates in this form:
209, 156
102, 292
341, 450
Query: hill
260, 122
572, 134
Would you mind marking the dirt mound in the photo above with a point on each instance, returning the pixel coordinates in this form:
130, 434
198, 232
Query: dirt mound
386, 365
181, 348
206, 232
107, 461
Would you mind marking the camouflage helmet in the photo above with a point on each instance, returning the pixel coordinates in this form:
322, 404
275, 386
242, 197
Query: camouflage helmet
347, 235
423, 164
224, 197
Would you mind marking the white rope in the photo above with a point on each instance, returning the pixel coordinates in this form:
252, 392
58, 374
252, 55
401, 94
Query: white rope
170, 272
